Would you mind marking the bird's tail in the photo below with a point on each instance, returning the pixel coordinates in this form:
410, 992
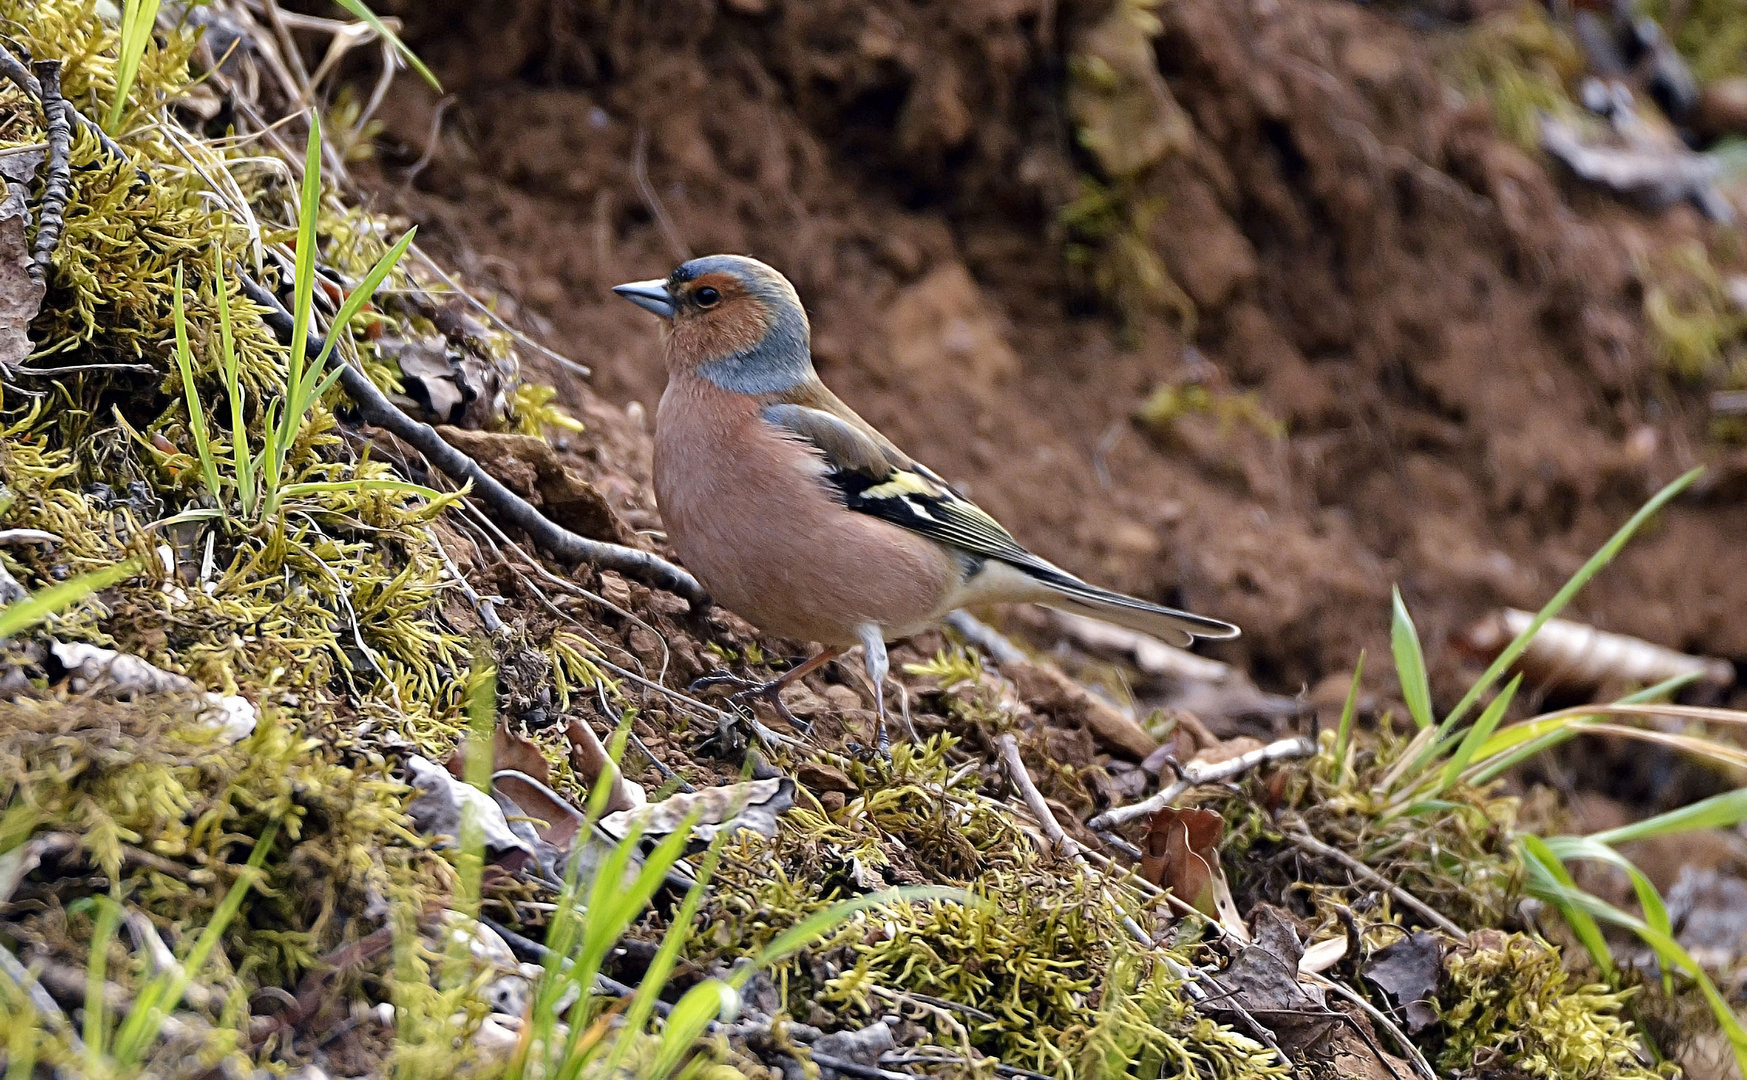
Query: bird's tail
1180, 628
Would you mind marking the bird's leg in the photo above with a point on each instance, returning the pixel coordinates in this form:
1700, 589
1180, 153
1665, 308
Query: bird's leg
772, 691
873, 648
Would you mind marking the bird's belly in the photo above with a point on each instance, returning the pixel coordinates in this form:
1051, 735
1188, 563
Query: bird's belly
774, 547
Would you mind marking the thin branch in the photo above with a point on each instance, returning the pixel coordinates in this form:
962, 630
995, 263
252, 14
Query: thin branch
58, 170
511, 509
1196, 774
1021, 778
1310, 843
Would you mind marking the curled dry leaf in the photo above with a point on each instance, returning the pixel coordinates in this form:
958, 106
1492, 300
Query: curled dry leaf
20, 297
1263, 978
1181, 853
508, 751
1574, 656
591, 761
438, 808
752, 805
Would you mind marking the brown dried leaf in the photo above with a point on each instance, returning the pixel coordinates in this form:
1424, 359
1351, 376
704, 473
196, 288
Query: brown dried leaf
589, 757
508, 751
20, 297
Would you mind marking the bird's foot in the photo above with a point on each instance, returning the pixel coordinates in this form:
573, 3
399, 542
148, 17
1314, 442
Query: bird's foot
748, 691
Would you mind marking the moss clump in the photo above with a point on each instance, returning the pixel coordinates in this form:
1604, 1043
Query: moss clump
1508, 1006
1037, 959
1697, 328
1520, 61
1710, 34
1169, 404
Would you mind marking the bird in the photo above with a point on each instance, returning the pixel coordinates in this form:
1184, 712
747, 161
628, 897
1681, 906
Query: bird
799, 516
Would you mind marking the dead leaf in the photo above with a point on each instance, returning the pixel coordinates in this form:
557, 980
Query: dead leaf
1181, 853
1408, 971
508, 751
437, 809
751, 805
591, 761
554, 820
20, 297
1263, 978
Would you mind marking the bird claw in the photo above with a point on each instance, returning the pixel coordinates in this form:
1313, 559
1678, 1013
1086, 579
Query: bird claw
750, 690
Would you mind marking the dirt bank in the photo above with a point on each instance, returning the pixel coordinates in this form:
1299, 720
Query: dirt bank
1453, 343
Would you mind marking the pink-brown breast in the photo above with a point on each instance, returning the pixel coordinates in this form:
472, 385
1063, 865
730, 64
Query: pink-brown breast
749, 514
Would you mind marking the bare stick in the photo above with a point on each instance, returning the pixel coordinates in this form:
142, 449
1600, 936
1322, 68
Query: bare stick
1310, 843
58, 174
1196, 774
13, 69
511, 509
1381, 1019
1040, 810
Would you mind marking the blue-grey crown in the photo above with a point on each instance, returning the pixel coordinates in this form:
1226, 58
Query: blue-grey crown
783, 358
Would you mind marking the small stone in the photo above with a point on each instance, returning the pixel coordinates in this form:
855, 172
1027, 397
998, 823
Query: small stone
819, 777
842, 698
832, 801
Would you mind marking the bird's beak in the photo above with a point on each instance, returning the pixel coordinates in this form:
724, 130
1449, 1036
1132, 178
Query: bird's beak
649, 295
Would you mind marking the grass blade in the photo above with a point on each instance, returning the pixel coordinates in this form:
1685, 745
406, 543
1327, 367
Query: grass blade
1717, 812
303, 298
1550, 881
1410, 663
196, 411
357, 8
1559, 890
360, 296
138, 19
163, 994
1478, 734
96, 1001
1563, 596
230, 363
26, 613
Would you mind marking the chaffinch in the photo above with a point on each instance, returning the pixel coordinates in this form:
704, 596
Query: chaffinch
796, 514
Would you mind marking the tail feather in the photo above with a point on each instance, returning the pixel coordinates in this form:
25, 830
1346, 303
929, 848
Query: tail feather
1179, 628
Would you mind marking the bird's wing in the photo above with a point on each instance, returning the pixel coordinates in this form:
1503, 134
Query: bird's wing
874, 477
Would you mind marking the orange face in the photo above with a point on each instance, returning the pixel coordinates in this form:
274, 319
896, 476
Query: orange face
714, 315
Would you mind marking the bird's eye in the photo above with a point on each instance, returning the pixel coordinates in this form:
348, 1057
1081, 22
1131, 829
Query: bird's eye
707, 297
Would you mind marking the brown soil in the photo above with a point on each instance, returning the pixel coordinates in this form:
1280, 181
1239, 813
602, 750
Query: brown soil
1454, 341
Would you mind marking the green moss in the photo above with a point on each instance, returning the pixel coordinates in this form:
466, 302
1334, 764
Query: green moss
1520, 61
1508, 1005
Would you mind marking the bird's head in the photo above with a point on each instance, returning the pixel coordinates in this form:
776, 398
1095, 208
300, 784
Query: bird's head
736, 322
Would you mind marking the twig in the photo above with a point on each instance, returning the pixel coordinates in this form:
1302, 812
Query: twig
511, 509
487, 613
27, 536
857, 1069
1304, 840
58, 170
1021, 778
497, 320
1196, 774
14, 69
40, 1000
1380, 1018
